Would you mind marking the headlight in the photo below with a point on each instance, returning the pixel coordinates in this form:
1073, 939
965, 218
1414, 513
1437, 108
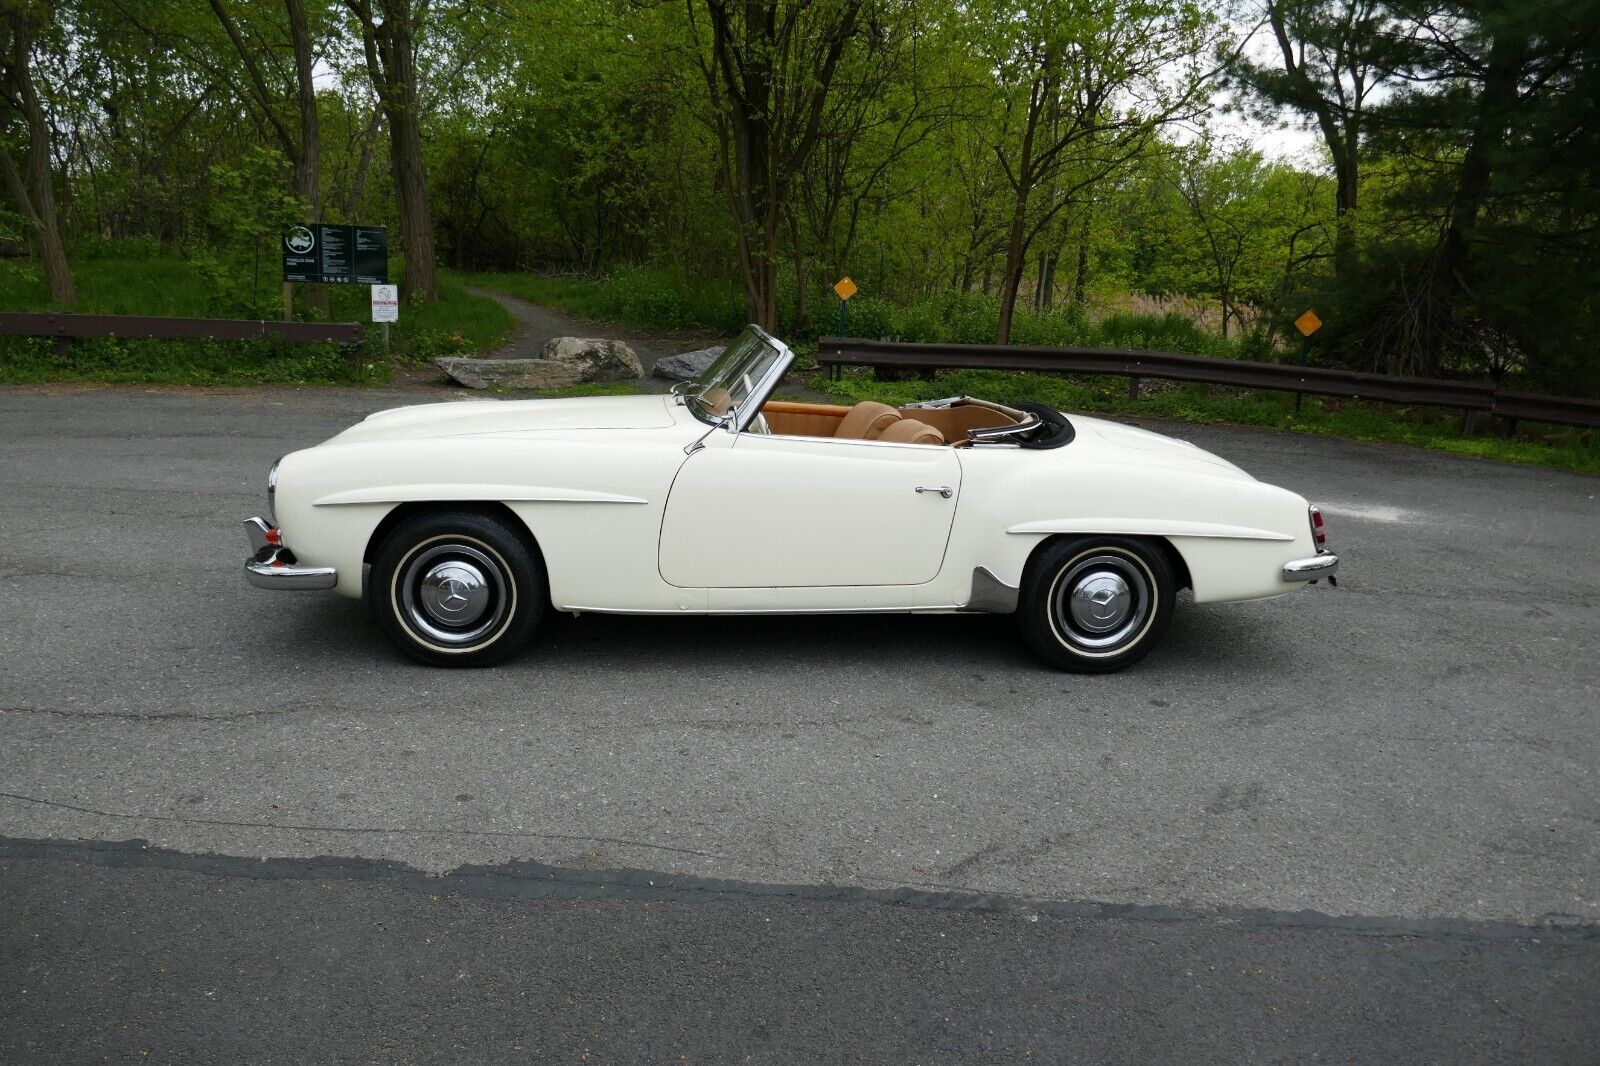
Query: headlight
272, 491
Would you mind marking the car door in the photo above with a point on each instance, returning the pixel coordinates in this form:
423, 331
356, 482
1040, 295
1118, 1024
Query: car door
755, 511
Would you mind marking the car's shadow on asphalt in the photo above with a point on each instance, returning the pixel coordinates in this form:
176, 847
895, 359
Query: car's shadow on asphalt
1238, 639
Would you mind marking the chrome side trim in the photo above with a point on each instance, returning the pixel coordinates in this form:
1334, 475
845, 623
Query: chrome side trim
1323, 564
270, 570
990, 594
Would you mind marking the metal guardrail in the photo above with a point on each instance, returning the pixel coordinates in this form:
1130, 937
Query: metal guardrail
1468, 396
69, 327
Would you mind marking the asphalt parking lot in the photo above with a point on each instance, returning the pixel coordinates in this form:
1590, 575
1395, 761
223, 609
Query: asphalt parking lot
1409, 759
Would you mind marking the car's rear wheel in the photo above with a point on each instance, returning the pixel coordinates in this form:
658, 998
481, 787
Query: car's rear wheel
457, 588
1096, 604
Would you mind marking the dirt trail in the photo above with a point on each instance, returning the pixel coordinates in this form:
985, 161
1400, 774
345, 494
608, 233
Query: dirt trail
537, 325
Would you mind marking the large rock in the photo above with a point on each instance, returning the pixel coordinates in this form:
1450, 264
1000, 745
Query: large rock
567, 361
510, 373
688, 366
595, 359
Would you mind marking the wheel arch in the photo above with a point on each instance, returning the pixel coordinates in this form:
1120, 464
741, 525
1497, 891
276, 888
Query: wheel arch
490, 508
1175, 559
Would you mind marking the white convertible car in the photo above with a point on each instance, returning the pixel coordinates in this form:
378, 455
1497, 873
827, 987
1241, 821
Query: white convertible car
462, 523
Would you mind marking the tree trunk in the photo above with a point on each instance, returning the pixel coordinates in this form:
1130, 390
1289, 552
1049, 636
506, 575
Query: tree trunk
308, 164
1496, 104
1080, 281
391, 64
1016, 252
34, 192
307, 169
1347, 185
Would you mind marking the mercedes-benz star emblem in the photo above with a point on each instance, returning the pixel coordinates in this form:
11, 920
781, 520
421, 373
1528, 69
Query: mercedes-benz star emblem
455, 594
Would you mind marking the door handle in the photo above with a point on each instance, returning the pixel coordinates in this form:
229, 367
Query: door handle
944, 490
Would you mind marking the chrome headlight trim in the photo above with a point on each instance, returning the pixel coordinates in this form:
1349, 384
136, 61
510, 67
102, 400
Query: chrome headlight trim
272, 489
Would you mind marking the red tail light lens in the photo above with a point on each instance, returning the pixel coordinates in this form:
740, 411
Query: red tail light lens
1318, 532
274, 536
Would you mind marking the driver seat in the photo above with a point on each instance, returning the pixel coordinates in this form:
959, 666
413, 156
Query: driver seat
866, 421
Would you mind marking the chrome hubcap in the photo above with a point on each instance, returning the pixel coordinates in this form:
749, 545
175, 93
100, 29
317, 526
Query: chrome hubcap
453, 593
1101, 601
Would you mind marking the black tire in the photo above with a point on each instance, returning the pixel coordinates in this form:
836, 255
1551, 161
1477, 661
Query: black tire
457, 588
1124, 589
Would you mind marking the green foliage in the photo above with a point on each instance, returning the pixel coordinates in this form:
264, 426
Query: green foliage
25, 361
247, 212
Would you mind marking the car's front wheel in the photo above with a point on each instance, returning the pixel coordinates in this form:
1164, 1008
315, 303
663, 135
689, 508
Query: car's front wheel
457, 588
1096, 604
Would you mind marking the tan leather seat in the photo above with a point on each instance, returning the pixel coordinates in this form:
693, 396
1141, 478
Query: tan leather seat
910, 431
867, 420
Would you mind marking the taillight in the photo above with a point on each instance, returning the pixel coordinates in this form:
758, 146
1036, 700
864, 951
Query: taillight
1319, 534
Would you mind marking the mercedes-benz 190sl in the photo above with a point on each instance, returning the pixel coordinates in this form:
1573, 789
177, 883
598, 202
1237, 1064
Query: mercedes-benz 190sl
462, 523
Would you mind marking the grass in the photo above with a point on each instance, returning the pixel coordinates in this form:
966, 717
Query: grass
1561, 447
458, 323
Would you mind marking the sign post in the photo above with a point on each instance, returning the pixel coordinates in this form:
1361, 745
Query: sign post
1307, 324
386, 308
844, 288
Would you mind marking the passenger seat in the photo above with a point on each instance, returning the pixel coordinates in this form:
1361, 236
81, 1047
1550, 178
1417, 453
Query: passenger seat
866, 420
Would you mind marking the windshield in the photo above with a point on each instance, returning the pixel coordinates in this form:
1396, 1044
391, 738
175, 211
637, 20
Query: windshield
729, 382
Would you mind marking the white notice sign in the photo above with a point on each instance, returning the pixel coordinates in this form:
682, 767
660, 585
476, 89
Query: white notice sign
386, 303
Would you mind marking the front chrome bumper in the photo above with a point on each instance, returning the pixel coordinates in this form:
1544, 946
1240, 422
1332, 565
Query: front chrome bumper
274, 566
1323, 564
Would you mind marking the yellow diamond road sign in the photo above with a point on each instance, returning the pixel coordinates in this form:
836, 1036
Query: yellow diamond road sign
845, 288
1308, 323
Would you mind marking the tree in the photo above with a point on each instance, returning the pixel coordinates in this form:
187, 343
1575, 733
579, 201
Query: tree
269, 85
32, 185
1083, 87
389, 38
1495, 114
769, 67
1333, 56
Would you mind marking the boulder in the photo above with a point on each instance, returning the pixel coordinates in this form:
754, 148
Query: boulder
510, 373
566, 361
595, 359
688, 366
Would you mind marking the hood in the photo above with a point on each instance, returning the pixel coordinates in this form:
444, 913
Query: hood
1152, 448
471, 417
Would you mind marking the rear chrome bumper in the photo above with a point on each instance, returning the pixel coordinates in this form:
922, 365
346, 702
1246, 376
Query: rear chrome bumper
274, 566
1323, 564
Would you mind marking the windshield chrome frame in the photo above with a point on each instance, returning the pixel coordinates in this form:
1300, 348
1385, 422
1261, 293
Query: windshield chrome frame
742, 414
